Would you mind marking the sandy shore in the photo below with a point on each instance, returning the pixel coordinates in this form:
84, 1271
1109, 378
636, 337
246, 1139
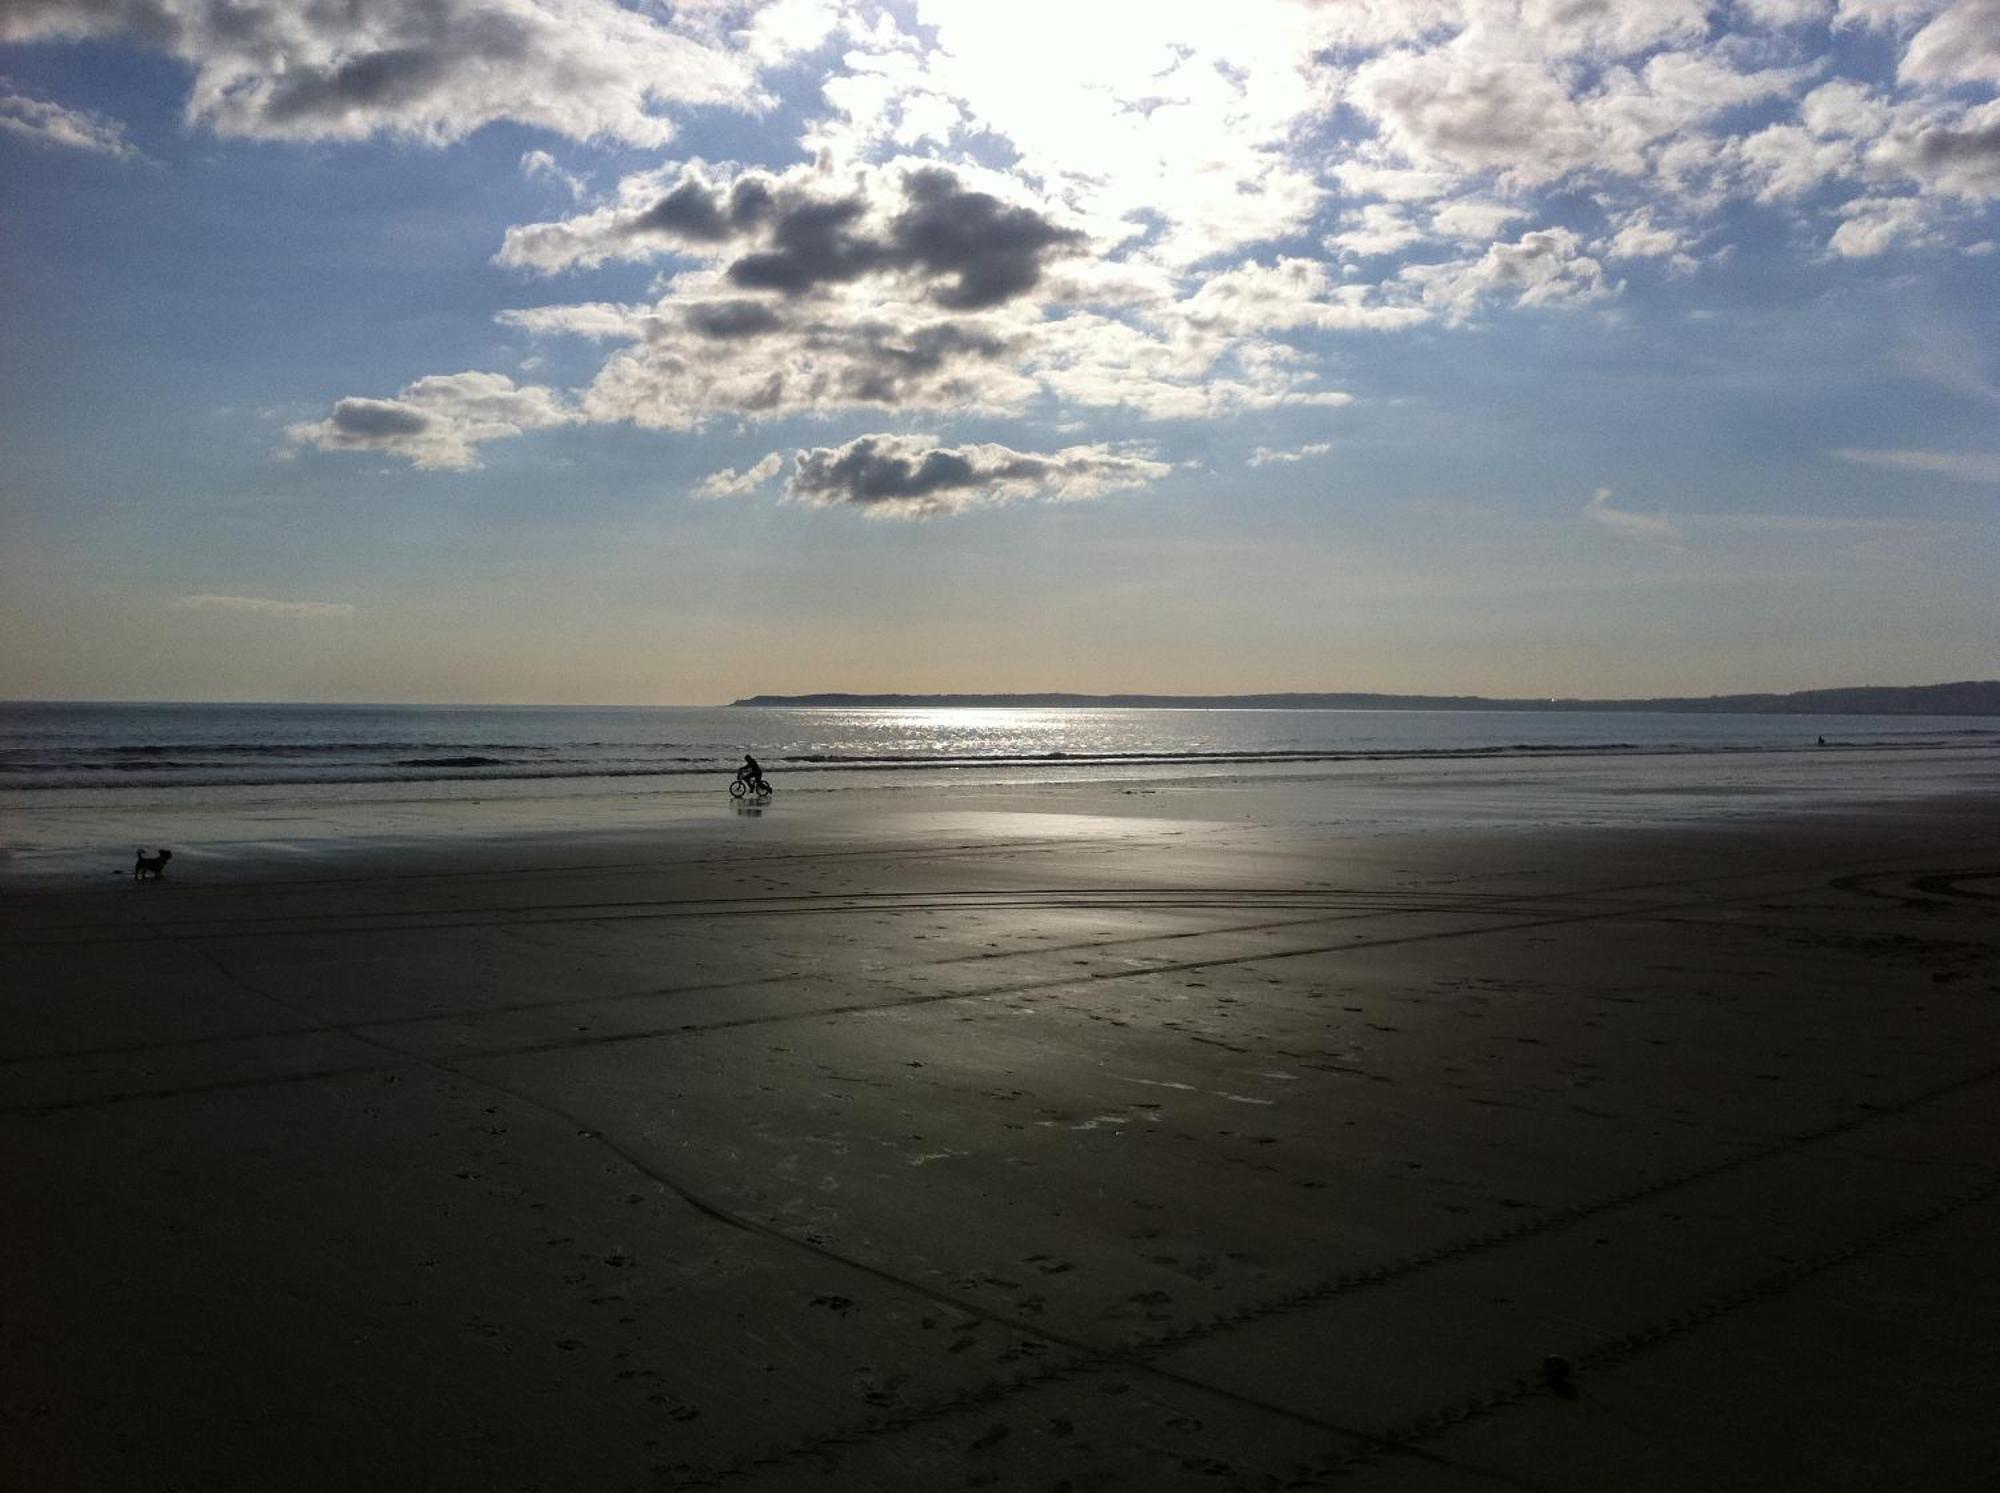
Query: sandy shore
1022, 1145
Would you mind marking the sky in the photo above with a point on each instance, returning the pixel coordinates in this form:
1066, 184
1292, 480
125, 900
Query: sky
569, 351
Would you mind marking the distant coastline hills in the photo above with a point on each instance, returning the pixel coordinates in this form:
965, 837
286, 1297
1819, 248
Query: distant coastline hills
1970, 697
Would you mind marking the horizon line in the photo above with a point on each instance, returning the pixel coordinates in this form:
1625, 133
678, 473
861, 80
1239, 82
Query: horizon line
909, 694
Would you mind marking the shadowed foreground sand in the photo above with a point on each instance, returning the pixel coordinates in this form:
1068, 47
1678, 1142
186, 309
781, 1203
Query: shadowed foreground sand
1016, 1149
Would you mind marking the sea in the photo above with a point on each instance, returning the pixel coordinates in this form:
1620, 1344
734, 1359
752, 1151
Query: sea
105, 746
82, 782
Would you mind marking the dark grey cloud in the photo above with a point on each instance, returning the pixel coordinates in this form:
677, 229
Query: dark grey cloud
731, 320
800, 234
696, 212
1965, 161
376, 419
393, 78
986, 251
867, 471
814, 242
994, 250
872, 362
911, 476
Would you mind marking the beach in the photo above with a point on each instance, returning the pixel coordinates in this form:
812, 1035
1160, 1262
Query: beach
1132, 1134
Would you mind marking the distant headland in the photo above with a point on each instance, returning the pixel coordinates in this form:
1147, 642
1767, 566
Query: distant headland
1970, 697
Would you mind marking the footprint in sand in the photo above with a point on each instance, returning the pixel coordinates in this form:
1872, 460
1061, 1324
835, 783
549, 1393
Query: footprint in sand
676, 1409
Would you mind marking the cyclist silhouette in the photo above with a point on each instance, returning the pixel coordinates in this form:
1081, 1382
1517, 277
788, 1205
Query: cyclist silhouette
750, 774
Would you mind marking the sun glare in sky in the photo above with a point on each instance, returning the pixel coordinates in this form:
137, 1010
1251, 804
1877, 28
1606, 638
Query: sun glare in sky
571, 350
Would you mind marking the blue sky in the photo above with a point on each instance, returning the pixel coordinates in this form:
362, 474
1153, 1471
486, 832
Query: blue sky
563, 350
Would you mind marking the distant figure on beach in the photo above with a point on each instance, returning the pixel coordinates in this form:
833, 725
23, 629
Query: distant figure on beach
1822, 741
750, 774
150, 867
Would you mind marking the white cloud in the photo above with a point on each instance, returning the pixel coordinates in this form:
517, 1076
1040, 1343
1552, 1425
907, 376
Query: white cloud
598, 320
1195, 196
1265, 456
1960, 46
52, 124
1639, 237
1460, 108
913, 476
1785, 161
1655, 528
886, 98
1844, 107
1786, 12
1961, 466
1474, 219
264, 606
1546, 267
1375, 229
1102, 361
1289, 293
1885, 15
704, 355
711, 346
1612, 27
1363, 175
437, 422
729, 483
1510, 103
276, 69
1175, 114
780, 30
1875, 225
539, 165
1955, 153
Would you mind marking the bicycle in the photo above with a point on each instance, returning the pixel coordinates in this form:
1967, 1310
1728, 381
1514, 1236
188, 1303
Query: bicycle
744, 788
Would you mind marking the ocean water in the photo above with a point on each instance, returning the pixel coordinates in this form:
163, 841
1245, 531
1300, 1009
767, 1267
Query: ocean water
154, 747
238, 787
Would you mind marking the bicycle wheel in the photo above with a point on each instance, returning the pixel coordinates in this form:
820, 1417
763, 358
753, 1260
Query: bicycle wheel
738, 788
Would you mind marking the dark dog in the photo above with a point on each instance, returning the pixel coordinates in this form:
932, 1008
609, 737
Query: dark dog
154, 866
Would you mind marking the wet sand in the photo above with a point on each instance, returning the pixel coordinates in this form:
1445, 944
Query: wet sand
1017, 1144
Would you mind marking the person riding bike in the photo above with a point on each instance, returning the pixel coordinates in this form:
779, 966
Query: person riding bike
750, 774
